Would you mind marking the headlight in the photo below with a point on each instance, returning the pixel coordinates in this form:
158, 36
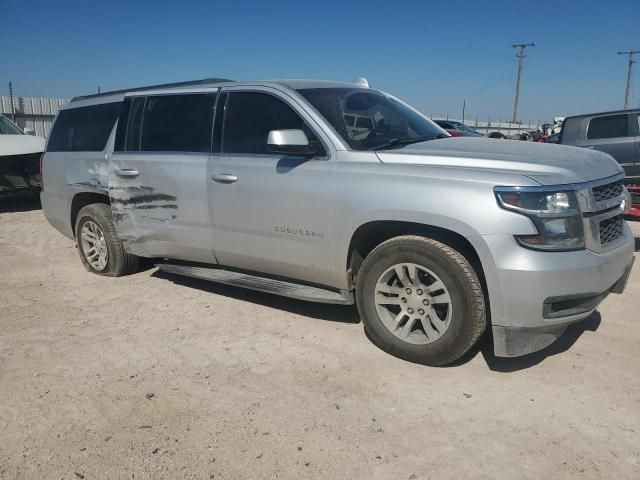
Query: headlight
556, 216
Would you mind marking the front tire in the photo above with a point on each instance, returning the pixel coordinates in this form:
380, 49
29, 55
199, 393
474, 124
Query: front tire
420, 300
100, 249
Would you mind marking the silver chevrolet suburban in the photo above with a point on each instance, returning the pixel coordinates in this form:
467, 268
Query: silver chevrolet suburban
263, 185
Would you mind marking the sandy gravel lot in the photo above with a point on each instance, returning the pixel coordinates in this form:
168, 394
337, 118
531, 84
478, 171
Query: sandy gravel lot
155, 376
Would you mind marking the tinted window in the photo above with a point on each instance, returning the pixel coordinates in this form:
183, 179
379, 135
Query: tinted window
8, 128
84, 129
249, 117
175, 123
128, 133
608, 127
217, 127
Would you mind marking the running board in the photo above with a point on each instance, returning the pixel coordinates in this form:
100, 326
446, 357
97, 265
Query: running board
261, 284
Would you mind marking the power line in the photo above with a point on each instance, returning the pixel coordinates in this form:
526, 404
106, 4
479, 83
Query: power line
627, 91
520, 55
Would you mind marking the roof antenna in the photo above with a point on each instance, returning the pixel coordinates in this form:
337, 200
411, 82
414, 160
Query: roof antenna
362, 81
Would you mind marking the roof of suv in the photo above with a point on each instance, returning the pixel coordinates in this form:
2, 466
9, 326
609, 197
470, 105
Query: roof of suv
210, 82
611, 112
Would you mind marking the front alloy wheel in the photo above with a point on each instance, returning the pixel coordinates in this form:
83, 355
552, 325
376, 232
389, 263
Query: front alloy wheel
413, 303
420, 300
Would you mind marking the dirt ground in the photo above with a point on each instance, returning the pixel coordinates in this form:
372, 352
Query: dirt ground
156, 376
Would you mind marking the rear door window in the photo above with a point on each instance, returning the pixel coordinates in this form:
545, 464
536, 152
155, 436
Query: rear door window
611, 126
250, 116
129, 123
177, 123
83, 129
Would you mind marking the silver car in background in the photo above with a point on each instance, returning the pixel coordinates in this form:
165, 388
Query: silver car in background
276, 186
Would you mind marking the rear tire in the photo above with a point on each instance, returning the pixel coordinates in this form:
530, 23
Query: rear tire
100, 249
420, 300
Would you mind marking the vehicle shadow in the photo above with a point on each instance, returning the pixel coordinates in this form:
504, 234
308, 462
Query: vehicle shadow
320, 311
637, 239
26, 203
564, 343
349, 314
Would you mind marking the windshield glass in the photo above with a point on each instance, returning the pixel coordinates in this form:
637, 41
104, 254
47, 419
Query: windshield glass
380, 120
8, 128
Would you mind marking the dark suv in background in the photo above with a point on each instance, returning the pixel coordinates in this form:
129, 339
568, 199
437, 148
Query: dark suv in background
458, 129
616, 133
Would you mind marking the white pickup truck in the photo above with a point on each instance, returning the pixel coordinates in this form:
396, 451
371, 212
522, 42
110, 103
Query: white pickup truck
19, 160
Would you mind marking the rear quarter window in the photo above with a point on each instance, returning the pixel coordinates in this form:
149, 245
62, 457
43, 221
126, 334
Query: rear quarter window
611, 126
83, 129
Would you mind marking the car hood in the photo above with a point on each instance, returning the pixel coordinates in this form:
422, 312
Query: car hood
544, 163
21, 144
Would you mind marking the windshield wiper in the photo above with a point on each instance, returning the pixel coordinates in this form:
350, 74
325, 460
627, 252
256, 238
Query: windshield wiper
399, 142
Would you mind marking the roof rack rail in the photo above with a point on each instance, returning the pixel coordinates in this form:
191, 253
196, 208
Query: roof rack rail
164, 85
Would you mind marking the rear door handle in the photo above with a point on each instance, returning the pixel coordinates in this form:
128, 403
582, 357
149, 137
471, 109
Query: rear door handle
224, 178
127, 172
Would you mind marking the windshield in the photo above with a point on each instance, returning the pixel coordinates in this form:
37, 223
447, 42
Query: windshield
380, 120
8, 128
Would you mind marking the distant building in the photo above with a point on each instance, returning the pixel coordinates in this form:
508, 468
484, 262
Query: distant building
32, 113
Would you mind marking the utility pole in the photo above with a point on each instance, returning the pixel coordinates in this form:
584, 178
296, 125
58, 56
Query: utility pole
627, 92
464, 106
13, 105
520, 55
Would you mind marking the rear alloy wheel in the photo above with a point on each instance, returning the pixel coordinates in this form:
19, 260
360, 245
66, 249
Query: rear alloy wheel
100, 249
420, 300
94, 246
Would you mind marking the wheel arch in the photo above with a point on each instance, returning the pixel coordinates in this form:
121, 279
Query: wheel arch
83, 199
371, 234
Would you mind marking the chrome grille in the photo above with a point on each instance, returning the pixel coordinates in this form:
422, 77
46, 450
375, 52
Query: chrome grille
608, 191
611, 229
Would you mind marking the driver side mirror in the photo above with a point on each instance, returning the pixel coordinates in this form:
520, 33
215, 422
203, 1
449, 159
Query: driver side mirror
290, 142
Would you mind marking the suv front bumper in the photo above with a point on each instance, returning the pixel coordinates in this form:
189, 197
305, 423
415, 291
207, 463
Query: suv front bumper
535, 295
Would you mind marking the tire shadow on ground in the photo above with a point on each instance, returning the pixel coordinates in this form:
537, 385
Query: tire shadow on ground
562, 344
349, 314
320, 311
513, 364
26, 203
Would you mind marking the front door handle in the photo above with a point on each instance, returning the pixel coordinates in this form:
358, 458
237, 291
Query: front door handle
127, 172
224, 178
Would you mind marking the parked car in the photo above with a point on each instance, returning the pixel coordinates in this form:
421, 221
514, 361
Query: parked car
19, 160
553, 138
458, 129
262, 185
616, 133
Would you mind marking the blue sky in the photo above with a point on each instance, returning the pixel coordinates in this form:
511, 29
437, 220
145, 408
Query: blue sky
430, 54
